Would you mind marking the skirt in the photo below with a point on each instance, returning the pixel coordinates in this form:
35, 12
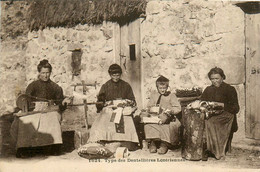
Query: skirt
218, 130
40, 129
104, 130
169, 133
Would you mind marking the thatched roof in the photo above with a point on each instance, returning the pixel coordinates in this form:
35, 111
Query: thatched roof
252, 7
68, 13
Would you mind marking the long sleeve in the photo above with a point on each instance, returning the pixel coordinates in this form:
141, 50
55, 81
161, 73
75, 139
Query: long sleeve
101, 98
46, 91
175, 106
130, 93
30, 89
153, 99
169, 102
205, 95
114, 90
232, 101
59, 96
225, 94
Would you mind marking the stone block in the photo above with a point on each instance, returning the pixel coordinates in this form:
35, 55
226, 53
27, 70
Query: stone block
180, 64
232, 43
107, 32
74, 46
32, 48
241, 116
108, 47
210, 28
82, 37
74, 36
185, 79
153, 7
41, 38
234, 68
57, 36
229, 18
170, 37
69, 34
93, 36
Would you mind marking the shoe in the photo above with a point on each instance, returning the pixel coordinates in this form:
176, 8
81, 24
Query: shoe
205, 155
56, 149
152, 147
23, 153
163, 148
19, 153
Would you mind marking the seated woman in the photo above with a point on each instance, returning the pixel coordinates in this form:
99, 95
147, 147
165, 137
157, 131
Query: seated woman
220, 127
166, 133
40, 129
115, 121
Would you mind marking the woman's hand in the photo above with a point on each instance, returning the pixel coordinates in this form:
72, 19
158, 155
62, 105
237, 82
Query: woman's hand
129, 110
168, 112
164, 118
154, 109
215, 104
218, 104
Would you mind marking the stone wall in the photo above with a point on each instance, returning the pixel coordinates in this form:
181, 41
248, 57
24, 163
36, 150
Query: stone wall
13, 45
180, 39
183, 40
57, 44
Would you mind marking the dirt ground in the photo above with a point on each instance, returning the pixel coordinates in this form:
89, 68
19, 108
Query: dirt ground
142, 160
237, 160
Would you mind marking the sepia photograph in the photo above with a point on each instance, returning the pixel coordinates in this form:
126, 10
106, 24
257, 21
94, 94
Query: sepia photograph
129, 85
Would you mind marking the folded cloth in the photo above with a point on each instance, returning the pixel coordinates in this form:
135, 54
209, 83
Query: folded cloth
120, 103
210, 108
151, 120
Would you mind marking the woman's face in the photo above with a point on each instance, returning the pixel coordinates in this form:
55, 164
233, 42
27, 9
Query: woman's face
216, 79
115, 77
44, 74
162, 88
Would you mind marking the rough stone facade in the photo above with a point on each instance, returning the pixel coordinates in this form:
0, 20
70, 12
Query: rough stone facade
181, 40
57, 45
184, 40
13, 45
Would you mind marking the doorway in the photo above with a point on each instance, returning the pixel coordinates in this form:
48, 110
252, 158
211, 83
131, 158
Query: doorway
128, 44
252, 31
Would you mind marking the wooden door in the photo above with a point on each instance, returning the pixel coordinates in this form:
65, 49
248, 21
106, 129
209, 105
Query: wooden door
130, 57
253, 76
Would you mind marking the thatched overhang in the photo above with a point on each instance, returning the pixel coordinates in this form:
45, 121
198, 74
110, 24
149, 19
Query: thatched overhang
249, 7
69, 13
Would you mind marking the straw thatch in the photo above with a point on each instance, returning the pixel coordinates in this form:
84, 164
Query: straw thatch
249, 7
68, 13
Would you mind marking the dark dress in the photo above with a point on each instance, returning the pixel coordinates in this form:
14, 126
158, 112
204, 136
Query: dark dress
114, 90
103, 129
39, 129
45, 90
218, 128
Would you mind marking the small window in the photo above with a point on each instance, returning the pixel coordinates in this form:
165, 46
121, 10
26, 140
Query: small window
76, 62
132, 52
